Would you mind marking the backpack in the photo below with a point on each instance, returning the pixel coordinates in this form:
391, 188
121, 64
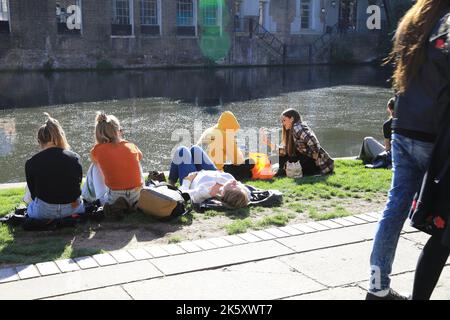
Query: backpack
240, 171
263, 167
163, 201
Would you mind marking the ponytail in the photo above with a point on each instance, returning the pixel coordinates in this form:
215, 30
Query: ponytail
52, 132
107, 128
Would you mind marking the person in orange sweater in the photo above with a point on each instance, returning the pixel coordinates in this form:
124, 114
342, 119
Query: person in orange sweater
115, 171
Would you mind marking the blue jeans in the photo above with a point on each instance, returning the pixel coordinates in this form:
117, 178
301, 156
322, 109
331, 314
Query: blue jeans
39, 209
186, 161
410, 161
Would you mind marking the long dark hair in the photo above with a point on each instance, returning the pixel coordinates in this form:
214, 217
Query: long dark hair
409, 51
287, 136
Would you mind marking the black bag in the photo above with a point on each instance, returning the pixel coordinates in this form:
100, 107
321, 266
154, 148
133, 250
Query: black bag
431, 206
240, 172
20, 218
424, 214
382, 160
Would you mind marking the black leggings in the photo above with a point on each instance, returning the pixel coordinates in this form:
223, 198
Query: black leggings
429, 267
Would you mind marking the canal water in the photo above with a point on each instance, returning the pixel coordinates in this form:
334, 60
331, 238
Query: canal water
341, 104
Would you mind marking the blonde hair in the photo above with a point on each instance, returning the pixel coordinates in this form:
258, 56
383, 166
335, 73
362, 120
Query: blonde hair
409, 50
235, 198
52, 132
107, 128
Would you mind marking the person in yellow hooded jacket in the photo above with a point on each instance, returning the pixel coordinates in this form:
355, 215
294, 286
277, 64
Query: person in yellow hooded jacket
220, 143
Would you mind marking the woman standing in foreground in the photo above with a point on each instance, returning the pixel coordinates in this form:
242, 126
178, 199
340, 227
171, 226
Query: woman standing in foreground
421, 80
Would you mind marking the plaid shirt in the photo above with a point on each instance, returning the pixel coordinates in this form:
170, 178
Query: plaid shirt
307, 144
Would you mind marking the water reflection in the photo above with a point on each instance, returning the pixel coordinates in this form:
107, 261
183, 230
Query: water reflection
202, 87
7, 136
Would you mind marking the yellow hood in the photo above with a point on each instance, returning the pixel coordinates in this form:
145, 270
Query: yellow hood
227, 120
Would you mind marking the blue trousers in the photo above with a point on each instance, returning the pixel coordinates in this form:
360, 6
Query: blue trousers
410, 161
186, 161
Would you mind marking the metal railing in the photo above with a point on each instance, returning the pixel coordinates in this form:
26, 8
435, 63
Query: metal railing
269, 39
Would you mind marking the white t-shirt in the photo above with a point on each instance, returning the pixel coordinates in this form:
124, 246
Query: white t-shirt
199, 189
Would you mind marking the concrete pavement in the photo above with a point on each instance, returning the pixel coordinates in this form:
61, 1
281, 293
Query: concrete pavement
319, 260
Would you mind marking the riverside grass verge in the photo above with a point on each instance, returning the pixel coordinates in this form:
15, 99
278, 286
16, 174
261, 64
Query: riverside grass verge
352, 189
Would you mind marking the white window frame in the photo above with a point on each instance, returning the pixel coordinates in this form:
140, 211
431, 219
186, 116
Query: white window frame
131, 10
158, 15
219, 17
8, 11
310, 15
194, 18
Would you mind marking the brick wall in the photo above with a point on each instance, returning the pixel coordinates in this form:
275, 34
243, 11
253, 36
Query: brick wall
34, 42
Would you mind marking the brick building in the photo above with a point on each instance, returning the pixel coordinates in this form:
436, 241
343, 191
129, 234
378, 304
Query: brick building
46, 34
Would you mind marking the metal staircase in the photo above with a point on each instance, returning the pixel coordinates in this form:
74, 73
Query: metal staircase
269, 41
322, 45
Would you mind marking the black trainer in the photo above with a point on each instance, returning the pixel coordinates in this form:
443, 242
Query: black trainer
392, 295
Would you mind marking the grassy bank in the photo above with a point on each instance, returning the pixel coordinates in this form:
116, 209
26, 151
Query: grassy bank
351, 190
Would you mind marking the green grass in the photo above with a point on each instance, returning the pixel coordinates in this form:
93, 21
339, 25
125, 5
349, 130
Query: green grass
175, 239
318, 198
337, 212
9, 199
349, 181
239, 226
278, 220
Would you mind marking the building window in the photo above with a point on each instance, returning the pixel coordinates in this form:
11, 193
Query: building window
210, 17
209, 13
122, 18
150, 10
68, 16
186, 18
305, 14
4, 16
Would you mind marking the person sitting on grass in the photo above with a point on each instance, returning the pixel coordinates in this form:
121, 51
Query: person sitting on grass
220, 143
299, 143
374, 154
115, 174
53, 176
200, 178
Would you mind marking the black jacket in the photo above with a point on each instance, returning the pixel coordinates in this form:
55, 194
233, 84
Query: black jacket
420, 109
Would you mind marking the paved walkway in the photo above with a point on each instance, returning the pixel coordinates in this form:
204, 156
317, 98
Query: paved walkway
316, 260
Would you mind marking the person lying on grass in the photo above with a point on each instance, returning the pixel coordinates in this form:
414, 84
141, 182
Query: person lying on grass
200, 178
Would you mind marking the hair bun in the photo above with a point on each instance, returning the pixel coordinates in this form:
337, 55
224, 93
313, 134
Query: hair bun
49, 118
101, 117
